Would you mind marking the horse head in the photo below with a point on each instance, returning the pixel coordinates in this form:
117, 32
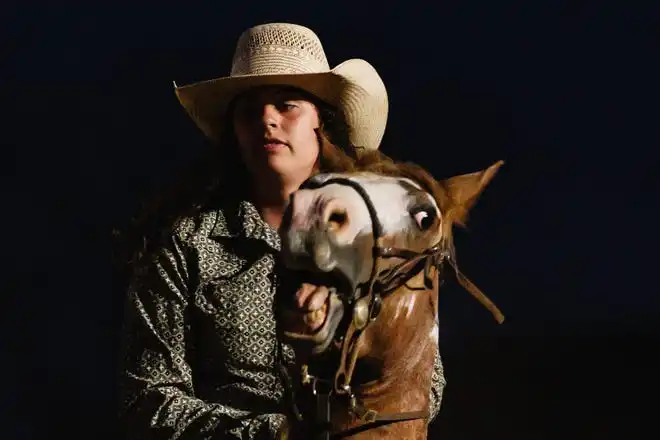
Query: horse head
367, 247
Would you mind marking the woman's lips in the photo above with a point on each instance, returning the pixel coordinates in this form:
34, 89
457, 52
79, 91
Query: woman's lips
274, 146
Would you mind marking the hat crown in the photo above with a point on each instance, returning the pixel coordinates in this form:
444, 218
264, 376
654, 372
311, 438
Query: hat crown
278, 48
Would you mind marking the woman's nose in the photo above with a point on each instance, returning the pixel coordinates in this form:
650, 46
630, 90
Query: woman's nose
270, 116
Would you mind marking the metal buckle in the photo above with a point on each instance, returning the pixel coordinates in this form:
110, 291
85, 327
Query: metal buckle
376, 305
360, 313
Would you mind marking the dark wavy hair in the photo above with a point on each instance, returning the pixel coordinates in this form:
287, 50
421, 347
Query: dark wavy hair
206, 181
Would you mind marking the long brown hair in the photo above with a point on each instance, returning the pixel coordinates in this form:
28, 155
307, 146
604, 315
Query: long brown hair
202, 184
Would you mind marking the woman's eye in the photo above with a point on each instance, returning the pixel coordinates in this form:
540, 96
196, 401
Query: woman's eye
286, 106
424, 218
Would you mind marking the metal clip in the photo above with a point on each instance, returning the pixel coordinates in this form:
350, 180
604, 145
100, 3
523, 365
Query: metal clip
366, 415
346, 388
370, 416
353, 402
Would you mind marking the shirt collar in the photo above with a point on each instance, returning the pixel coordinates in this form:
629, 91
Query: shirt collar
242, 220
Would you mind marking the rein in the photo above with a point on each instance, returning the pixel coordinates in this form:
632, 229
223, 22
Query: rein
365, 310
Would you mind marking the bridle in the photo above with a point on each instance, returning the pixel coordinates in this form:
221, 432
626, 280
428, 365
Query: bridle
365, 308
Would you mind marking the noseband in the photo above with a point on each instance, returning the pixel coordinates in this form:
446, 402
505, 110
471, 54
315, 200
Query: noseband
365, 304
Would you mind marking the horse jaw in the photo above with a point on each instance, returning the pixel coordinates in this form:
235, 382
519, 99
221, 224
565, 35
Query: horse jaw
319, 340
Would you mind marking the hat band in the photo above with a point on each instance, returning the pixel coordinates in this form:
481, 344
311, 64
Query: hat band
273, 60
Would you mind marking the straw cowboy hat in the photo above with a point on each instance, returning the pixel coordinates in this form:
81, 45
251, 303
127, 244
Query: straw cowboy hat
292, 55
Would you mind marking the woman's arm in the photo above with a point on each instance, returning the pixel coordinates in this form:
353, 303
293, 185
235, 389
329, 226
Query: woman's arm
158, 400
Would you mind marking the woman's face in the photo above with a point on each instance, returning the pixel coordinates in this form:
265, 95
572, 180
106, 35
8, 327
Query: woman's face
275, 129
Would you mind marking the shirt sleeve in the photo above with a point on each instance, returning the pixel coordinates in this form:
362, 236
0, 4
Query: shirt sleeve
157, 394
437, 385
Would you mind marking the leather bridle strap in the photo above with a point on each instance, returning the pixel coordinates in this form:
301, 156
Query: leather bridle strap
394, 277
381, 419
477, 293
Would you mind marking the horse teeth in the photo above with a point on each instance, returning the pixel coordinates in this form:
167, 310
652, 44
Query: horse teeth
316, 317
313, 317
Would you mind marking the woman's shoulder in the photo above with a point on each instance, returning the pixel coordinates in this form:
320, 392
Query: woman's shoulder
217, 219
198, 224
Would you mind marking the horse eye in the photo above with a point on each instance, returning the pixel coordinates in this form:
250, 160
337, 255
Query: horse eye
424, 218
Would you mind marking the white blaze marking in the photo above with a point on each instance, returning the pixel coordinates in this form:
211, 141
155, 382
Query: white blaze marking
406, 302
434, 333
388, 196
411, 305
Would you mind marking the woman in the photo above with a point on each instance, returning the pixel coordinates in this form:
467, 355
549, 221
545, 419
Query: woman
199, 336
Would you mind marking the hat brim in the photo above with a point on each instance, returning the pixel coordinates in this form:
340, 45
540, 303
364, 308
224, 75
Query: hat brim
353, 86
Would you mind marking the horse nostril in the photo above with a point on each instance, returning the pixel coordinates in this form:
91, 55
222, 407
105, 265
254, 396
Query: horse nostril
337, 219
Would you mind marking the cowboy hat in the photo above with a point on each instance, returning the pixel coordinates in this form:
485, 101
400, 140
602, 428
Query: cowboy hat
292, 55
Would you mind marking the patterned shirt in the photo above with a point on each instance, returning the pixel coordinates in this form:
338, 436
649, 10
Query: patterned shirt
199, 335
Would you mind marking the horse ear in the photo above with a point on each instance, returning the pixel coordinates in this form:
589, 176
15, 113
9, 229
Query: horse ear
464, 190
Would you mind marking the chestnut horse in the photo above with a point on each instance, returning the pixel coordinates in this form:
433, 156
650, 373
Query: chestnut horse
368, 247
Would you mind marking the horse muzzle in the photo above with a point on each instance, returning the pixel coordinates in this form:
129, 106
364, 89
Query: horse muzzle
309, 250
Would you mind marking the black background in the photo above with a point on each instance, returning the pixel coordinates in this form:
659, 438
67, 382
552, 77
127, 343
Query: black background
563, 239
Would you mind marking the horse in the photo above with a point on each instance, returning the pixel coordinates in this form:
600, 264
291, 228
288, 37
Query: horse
368, 247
